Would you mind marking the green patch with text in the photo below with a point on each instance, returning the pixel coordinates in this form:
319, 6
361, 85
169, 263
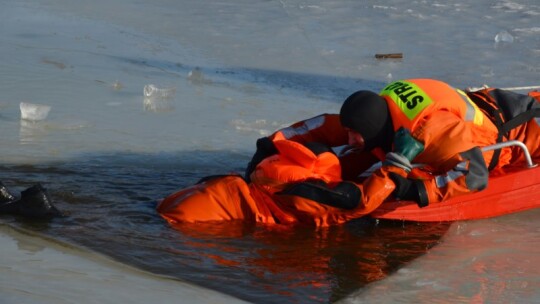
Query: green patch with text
408, 97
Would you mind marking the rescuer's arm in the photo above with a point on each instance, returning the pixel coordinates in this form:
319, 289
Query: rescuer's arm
406, 148
365, 197
452, 148
344, 195
470, 174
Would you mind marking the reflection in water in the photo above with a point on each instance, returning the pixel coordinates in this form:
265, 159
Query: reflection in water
112, 210
31, 131
157, 104
263, 264
485, 261
29, 247
325, 264
158, 99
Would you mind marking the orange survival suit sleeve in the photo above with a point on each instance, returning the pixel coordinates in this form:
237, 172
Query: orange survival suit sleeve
324, 129
327, 129
335, 203
452, 148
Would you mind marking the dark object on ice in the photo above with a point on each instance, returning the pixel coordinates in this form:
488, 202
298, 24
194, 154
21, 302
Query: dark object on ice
5, 195
389, 56
34, 202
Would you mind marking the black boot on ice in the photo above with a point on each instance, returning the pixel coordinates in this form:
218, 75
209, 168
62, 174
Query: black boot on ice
35, 202
5, 195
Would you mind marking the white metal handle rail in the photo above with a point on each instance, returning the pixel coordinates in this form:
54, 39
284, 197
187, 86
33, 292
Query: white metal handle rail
501, 145
510, 143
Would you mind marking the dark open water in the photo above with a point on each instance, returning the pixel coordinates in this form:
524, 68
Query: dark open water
110, 201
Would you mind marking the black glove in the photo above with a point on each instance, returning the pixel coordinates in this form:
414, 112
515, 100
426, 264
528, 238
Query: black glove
345, 195
409, 190
265, 148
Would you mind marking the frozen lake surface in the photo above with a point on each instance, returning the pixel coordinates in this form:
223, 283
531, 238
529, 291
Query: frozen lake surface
42, 271
240, 70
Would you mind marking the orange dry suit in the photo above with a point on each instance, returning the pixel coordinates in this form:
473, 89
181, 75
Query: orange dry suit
265, 199
452, 128
231, 198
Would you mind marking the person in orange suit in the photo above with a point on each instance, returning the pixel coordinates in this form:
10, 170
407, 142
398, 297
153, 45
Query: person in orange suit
422, 121
411, 121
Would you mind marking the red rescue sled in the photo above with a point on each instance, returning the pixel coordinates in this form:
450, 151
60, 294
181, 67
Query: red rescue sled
512, 189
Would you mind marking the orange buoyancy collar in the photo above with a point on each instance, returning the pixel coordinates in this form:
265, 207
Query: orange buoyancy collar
295, 163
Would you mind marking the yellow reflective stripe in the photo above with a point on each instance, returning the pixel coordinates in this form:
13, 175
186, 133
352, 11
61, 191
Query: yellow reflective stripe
408, 97
473, 113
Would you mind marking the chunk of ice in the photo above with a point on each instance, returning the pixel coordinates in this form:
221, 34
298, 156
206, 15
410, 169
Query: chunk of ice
504, 36
153, 91
34, 112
